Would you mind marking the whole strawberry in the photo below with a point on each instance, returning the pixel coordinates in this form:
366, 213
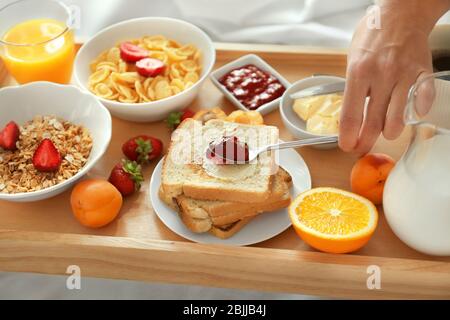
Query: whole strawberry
142, 149
127, 177
47, 158
175, 118
9, 136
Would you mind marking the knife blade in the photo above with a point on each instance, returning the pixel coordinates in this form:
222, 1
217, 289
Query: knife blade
320, 90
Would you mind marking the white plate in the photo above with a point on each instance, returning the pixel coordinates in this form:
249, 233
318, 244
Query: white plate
263, 227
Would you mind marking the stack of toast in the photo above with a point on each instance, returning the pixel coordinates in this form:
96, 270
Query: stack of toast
221, 199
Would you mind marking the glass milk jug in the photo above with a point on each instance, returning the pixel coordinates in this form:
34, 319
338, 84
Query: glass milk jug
417, 193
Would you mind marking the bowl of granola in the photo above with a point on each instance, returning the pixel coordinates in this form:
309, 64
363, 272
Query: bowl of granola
50, 136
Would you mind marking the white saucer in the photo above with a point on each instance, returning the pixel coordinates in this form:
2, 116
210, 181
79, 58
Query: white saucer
262, 228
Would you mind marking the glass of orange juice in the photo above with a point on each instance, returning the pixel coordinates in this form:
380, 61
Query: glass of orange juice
37, 41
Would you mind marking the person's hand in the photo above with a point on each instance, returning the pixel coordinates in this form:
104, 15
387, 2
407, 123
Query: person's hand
383, 64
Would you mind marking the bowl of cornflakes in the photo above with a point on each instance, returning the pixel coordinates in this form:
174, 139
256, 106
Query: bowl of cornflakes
144, 69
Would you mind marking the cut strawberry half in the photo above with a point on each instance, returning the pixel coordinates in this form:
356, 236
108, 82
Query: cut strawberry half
47, 158
9, 136
150, 67
132, 53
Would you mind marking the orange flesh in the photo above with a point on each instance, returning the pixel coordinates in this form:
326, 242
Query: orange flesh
330, 214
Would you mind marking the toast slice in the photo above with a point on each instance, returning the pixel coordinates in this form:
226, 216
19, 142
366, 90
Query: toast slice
225, 212
255, 211
223, 231
185, 171
195, 220
227, 231
205, 215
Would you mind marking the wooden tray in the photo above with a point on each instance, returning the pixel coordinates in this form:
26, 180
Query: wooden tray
43, 237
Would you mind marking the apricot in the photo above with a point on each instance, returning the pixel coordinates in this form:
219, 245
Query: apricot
369, 175
95, 203
246, 117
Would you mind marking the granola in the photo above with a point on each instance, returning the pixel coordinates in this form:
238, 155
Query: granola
17, 173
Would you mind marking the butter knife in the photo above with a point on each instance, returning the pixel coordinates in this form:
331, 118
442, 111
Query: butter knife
320, 90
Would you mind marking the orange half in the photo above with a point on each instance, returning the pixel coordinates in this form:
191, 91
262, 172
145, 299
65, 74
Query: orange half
333, 220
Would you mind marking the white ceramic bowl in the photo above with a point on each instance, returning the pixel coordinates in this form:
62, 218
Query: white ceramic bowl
22, 103
291, 120
242, 61
178, 30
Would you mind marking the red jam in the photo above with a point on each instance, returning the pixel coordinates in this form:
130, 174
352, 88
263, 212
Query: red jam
252, 86
228, 150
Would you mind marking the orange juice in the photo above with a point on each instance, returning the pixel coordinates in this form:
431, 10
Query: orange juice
39, 50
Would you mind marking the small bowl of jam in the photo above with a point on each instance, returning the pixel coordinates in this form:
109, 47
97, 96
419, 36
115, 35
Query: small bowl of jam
250, 83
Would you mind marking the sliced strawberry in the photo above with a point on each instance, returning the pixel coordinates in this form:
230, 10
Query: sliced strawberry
150, 67
175, 118
127, 177
142, 148
132, 53
9, 136
47, 158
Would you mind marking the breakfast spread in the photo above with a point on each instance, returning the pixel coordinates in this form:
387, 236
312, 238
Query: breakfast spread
144, 70
321, 113
42, 153
186, 171
206, 177
194, 185
252, 86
